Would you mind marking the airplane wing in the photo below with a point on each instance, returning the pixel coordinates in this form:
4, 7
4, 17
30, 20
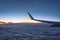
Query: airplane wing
41, 20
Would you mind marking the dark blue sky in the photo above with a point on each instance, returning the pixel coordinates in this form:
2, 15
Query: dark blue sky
16, 10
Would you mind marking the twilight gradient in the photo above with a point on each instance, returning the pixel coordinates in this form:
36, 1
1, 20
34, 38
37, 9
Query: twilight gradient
16, 10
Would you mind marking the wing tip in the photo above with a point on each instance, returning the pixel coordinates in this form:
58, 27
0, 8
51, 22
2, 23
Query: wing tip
30, 16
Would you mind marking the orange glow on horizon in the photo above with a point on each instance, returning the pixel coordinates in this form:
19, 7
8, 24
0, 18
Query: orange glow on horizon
24, 22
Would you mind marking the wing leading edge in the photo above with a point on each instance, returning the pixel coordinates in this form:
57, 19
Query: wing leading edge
54, 24
41, 20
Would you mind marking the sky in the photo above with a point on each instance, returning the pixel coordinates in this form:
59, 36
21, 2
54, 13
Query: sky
16, 10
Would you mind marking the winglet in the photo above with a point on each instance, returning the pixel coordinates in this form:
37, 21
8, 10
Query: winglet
30, 16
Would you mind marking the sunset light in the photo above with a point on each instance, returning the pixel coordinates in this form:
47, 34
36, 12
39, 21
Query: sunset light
29, 19
11, 22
